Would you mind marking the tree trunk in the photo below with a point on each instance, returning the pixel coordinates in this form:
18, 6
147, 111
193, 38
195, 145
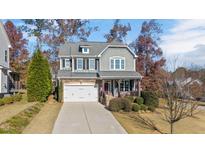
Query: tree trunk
171, 128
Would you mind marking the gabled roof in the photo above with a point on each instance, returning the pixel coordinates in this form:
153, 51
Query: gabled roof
95, 48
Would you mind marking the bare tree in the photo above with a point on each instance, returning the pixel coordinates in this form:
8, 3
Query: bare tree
178, 103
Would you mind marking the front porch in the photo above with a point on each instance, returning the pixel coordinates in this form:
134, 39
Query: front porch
120, 87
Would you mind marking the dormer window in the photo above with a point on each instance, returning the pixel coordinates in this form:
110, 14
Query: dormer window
85, 50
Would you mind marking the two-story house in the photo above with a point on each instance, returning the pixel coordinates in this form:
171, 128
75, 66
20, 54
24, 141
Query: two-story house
4, 60
89, 69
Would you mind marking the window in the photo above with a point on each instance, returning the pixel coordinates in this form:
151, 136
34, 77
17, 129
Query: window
112, 64
122, 64
125, 85
91, 64
85, 50
79, 63
65, 63
117, 63
6, 56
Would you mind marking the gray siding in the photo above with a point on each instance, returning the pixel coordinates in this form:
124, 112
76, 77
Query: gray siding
122, 52
3, 81
3, 46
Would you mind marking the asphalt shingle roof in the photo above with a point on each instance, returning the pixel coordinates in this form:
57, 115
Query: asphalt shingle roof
72, 48
119, 75
100, 75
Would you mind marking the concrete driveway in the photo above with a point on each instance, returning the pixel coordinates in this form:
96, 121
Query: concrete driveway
86, 118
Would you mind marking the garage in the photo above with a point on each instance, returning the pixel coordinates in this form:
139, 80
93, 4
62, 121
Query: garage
80, 93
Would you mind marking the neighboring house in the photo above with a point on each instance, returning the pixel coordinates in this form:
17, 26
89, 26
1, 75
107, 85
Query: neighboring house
184, 86
4, 60
89, 70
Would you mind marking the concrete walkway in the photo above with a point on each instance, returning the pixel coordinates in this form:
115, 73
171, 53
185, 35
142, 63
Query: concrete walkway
86, 118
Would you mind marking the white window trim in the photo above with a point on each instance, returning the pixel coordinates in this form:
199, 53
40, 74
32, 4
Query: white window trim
114, 58
83, 50
77, 63
90, 59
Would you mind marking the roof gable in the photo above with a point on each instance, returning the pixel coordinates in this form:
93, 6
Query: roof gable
117, 46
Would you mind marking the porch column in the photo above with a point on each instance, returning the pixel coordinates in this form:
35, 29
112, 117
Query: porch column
139, 88
103, 86
118, 89
73, 64
134, 86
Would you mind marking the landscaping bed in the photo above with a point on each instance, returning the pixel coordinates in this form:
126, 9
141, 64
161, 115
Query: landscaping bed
17, 123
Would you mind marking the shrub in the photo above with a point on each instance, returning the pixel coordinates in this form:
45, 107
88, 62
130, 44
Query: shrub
118, 104
114, 106
151, 108
127, 105
135, 107
143, 107
131, 98
39, 84
150, 98
139, 100
17, 97
7, 100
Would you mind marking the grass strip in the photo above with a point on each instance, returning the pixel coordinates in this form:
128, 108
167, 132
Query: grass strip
17, 123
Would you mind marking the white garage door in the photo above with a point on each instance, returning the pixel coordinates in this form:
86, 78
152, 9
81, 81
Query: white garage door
80, 93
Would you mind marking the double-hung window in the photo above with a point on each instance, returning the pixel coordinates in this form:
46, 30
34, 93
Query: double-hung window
91, 64
79, 63
117, 63
65, 63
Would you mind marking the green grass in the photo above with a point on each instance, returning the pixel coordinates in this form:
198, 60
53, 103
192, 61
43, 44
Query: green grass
16, 124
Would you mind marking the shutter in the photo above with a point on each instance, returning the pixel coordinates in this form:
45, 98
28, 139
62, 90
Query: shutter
96, 64
75, 63
63, 63
88, 64
84, 63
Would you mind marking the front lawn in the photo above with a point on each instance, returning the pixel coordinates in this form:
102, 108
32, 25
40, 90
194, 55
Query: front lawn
190, 125
44, 121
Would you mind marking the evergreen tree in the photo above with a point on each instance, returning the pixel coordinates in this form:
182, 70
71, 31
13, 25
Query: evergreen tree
39, 82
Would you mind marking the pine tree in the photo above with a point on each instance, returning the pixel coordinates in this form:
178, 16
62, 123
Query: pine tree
39, 82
